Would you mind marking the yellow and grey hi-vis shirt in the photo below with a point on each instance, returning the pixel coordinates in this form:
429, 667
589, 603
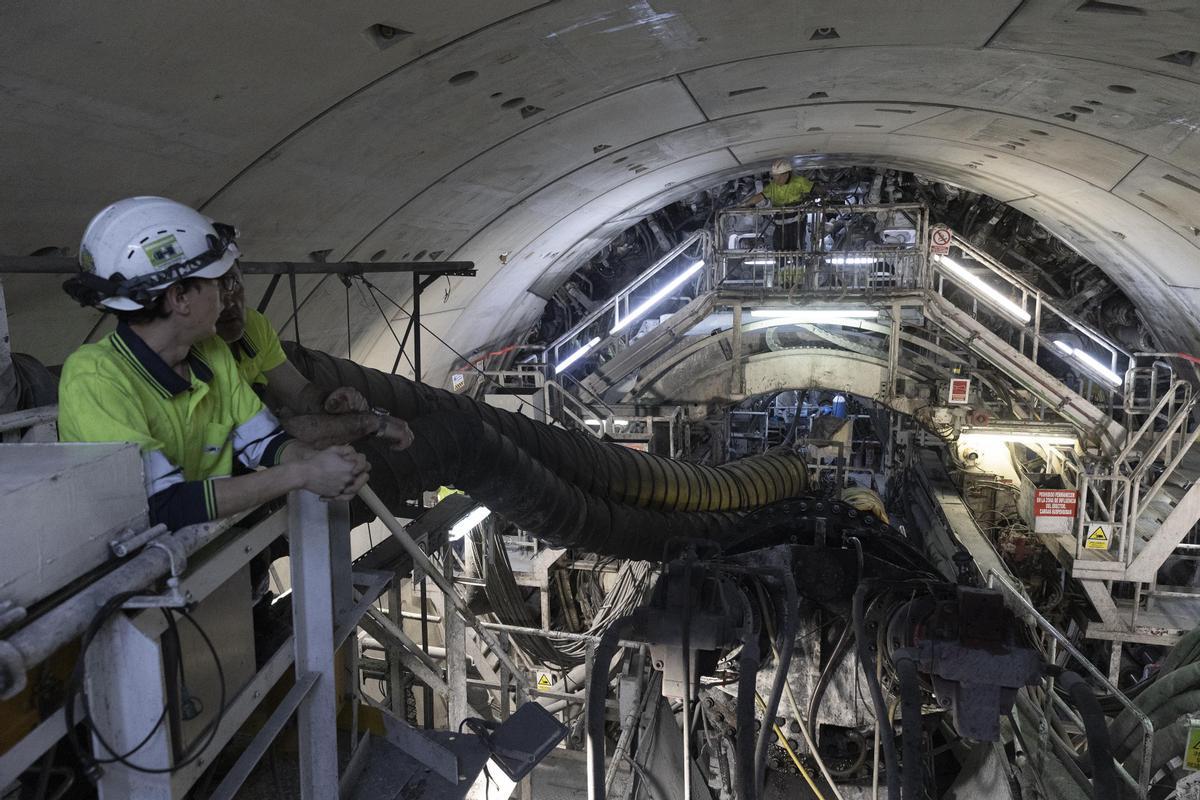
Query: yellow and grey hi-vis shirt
258, 351
189, 431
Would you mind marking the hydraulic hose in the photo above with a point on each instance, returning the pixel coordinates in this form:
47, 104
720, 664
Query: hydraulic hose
912, 770
748, 663
452, 448
835, 658
603, 469
867, 661
1095, 726
783, 660
1185, 678
1160, 717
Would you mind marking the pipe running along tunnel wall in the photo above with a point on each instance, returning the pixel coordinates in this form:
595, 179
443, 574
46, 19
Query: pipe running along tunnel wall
605, 470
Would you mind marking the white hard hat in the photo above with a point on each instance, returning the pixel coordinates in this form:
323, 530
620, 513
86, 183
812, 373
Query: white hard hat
781, 166
137, 247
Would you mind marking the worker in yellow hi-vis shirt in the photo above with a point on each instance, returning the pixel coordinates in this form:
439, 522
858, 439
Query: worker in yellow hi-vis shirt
308, 412
163, 381
784, 190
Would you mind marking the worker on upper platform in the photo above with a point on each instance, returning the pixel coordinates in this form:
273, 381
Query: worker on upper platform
164, 381
785, 189
308, 413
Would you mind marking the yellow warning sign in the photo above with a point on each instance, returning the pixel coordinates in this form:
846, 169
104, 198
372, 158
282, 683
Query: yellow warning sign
1191, 757
1097, 538
543, 680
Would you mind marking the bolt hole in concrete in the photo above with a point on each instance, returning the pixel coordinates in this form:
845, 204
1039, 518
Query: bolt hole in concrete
512, 102
378, 254
463, 77
494, 95
1122, 89
383, 35
1081, 109
1036, 132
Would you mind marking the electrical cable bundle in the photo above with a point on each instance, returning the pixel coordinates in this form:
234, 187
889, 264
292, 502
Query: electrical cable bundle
629, 591
76, 692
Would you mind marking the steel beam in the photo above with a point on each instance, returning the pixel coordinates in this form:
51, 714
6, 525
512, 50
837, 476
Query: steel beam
55, 265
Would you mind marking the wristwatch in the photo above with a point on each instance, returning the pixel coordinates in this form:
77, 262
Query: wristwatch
383, 415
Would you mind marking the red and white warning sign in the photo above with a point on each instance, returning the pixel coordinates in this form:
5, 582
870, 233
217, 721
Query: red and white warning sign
960, 391
939, 240
1054, 510
1055, 503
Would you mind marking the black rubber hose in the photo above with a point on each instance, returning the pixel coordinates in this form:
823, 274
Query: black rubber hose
603, 469
867, 661
1095, 726
1185, 678
597, 692
787, 637
748, 663
835, 658
451, 448
912, 769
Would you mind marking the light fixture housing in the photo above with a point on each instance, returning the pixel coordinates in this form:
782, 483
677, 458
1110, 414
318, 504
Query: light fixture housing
658, 296
990, 294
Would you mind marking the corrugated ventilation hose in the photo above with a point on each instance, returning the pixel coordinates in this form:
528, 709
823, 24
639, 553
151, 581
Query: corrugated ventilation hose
454, 448
597, 468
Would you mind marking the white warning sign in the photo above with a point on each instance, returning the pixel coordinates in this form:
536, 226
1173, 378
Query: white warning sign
939, 240
1098, 537
544, 680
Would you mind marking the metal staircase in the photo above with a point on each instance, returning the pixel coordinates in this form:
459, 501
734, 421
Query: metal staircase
1135, 416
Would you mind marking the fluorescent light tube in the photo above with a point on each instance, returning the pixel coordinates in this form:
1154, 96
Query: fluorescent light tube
1099, 369
1093, 366
989, 293
578, 354
464, 525
852, 259
1015, 436
657, 297
814, 314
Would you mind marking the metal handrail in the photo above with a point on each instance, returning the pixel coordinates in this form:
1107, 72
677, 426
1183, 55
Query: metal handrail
612, 305
1146, 426
877, 268
1141, 785
1041, 306
27, 418
1003, 272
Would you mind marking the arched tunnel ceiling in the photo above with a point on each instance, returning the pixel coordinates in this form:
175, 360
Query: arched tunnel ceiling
312, 133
